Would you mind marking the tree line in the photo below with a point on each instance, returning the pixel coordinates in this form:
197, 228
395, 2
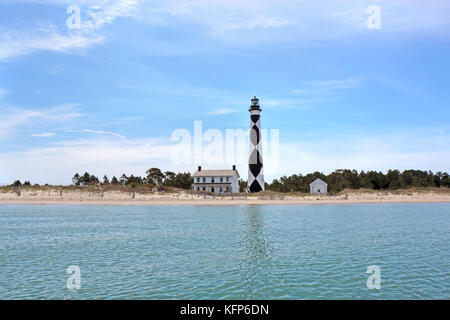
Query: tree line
154, 177
351, 179
337, 181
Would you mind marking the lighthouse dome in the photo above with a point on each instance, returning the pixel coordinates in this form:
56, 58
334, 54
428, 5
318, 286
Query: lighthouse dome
255, 104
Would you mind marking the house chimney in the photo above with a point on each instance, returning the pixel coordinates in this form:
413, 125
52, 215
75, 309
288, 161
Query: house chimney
199, 168
234, 167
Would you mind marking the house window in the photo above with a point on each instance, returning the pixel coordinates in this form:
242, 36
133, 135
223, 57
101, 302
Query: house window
204, 179
212, 179
198, 188
220, 189
204, 189
198, 179
221, 179
212, 189
227, 179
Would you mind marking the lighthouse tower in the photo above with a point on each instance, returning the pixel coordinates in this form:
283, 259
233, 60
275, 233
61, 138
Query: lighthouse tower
255, 181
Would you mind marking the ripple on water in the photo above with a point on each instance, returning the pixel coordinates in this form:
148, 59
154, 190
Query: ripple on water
236, 252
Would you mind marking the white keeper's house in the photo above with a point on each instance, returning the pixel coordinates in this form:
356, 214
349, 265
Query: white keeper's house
216, 181
318, 186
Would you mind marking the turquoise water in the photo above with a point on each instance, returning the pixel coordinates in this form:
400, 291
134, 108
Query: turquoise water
225, 252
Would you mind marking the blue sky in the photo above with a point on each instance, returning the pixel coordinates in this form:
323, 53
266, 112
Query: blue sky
105, 98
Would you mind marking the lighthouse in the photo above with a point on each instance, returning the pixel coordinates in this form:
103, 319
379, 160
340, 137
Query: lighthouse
255, 181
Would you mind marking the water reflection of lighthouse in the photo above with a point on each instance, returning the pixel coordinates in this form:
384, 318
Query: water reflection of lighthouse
256, 250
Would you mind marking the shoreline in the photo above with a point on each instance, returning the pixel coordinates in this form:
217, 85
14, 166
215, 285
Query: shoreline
217, 202
60, 196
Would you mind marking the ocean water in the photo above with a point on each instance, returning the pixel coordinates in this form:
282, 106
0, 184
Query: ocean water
225, 252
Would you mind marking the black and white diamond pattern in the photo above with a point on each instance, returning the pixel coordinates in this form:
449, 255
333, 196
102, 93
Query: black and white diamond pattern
255, 181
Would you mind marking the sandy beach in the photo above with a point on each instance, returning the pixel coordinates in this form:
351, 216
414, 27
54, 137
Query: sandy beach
213, 202
73, 197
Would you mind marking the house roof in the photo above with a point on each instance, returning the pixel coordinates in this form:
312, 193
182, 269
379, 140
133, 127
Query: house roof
318, 181
215, 173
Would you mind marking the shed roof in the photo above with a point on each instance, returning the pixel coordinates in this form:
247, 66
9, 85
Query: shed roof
215, 173
318, 181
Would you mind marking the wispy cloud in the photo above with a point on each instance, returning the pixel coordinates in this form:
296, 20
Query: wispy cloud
296, 19
106, 12
16, 43
328, 86
296, 103
184, 90
53, 37
229, 20
12, 118
3, 92
44, 135
255, 23
110, 133
222, 111
124, 121
336, 84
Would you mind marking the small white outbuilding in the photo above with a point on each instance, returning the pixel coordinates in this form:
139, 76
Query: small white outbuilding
318, 186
